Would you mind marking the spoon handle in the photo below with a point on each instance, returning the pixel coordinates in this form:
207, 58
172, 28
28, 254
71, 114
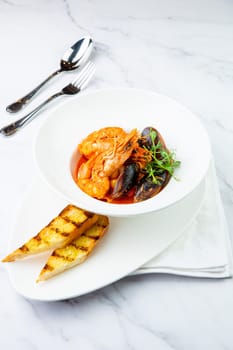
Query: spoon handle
10, 129
21, 102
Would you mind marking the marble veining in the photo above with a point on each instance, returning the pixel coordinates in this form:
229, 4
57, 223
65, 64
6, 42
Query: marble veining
179, 48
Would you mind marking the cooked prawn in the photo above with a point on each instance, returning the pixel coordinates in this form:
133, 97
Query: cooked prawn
90, 179
117, 156
101, 140
95, 187
94, 175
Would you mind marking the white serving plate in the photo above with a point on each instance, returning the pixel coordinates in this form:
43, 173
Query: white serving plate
129, 244
71, 122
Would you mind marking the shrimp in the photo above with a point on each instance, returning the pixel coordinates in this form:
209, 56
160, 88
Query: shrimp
101, 140
117, 156
95, 187
90, 180
94, 175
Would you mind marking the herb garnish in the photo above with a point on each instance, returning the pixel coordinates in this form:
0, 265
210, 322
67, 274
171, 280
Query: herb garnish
160, 160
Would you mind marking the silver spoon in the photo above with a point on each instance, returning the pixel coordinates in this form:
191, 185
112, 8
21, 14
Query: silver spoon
72, 59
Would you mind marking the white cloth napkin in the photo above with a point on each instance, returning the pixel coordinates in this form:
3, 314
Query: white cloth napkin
204, 250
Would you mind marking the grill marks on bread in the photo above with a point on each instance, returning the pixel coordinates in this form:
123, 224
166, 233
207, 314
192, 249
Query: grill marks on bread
72, 236
76, 251
69, 224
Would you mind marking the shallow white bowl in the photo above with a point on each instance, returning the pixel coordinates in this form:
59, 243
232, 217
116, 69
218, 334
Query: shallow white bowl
72, 121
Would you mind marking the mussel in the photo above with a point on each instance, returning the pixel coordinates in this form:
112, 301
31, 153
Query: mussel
126, 180
145, 139
147, 188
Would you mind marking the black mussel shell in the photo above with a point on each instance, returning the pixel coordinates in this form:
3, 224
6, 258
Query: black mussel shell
147, 188
126, 180
145, 139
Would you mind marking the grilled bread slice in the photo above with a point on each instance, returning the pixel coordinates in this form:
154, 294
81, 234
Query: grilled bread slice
76, 252
69, 224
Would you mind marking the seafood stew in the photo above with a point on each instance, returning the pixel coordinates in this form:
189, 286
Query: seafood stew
124, 167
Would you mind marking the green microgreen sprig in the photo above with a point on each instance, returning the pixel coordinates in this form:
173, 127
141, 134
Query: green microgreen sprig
161, 160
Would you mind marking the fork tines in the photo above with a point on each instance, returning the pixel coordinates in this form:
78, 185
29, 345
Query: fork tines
84, 76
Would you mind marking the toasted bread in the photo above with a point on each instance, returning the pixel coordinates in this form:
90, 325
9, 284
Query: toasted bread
69, 224
76, 252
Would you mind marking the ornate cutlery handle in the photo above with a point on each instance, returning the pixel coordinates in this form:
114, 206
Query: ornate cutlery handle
20, 103
15, 126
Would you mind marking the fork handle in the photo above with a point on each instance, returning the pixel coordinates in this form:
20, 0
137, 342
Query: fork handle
18, 124
21, 102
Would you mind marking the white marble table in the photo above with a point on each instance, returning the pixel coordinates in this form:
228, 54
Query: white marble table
179, 48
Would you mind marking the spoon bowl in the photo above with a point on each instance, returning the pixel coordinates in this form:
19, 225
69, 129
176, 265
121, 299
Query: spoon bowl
77, 54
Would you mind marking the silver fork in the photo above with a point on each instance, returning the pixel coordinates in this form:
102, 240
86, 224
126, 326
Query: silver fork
71, 89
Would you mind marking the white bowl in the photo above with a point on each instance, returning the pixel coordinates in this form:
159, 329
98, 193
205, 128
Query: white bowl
72, 121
